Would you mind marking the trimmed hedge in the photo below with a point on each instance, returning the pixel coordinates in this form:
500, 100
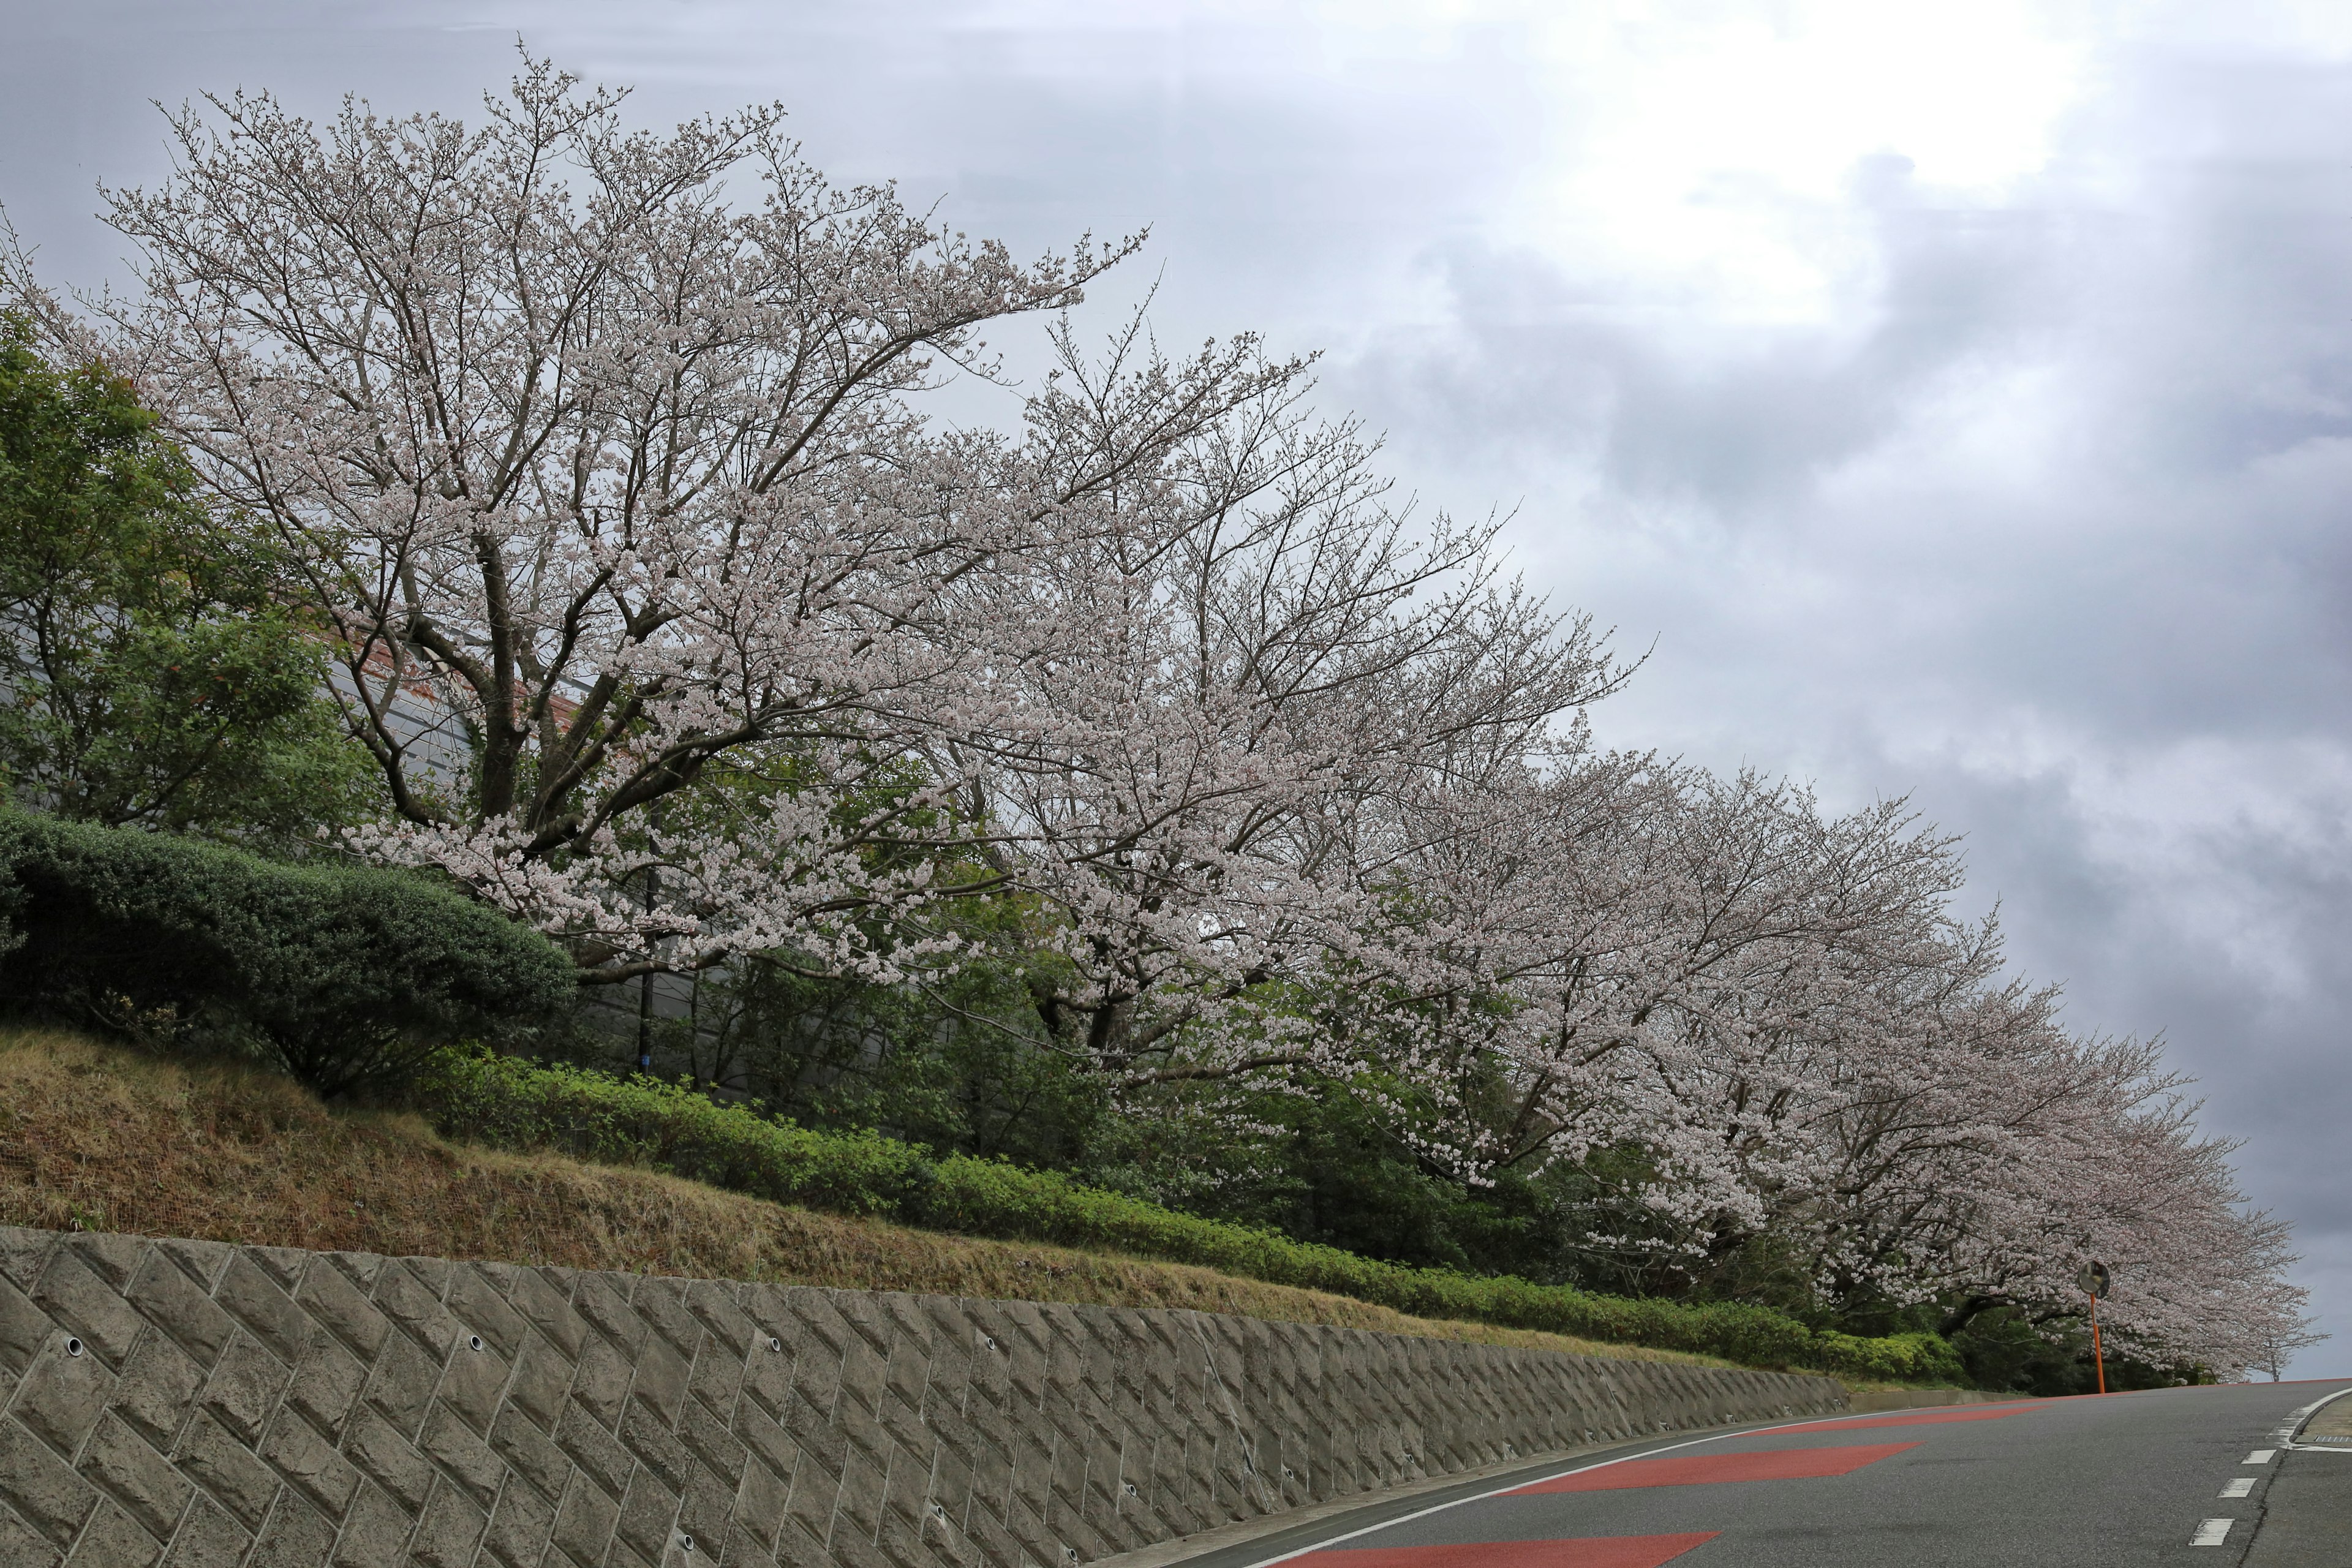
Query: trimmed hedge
638, 1120
347, 978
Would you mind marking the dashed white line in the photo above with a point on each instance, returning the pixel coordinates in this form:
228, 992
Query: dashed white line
2240, 1486
2212, 1533
2262, 1456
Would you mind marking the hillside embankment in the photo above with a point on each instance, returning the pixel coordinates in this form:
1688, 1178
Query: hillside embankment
94, 1137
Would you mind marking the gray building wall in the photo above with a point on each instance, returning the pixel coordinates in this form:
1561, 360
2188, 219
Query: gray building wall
207, 1405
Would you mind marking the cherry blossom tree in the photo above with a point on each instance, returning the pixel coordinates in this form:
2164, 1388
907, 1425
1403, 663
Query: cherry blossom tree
1779, 1013
1231, 659
606, 481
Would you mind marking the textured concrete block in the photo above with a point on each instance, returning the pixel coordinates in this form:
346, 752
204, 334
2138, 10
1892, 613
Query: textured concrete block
597, 1452
520, 1528
170, 1299
715, 1305
660, 1381
604, 1302
158, 1390
112, 1539
245, 1387
449, 1530
583, 1523
656, 1448
548, 1310
214, 1459
262, 1306
661, 1302
78, 1300
648, 1516
24, 1254
62, 1396
416, 1308
112, 1258
331, 1298
25, 1329
326, 1387
473, 1383
293, 1537
140, 1480
375, 1531
463, 1456
600, 1383
705, 1509
40, 1487
209, 1537
479, 1305
400, 1384
293, 1447
390, 1460
760, 1501
705, 1434
22, 1546
538, 1384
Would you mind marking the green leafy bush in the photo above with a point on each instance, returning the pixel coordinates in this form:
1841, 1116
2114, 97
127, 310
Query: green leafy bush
348, 978
513, 1104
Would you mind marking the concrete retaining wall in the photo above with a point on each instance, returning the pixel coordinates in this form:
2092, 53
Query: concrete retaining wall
205, 1405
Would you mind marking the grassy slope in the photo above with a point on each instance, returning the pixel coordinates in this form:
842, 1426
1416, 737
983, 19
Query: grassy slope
105, 1139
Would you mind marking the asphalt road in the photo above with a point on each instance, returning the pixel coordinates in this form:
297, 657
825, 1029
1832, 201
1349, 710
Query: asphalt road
2125, 1479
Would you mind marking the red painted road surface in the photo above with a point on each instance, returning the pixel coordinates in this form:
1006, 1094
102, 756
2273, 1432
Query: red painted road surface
1618, 1552
1704, 1469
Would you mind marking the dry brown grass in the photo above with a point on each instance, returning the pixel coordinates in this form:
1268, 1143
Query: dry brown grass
104, 1139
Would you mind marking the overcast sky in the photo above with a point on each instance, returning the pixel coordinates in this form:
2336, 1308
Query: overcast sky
1958, 396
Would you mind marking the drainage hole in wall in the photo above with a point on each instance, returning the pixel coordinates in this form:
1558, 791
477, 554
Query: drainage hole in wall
774, 1344
73, 1345
474, 1341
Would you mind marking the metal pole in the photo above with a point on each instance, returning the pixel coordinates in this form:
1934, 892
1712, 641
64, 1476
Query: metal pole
2098, 1355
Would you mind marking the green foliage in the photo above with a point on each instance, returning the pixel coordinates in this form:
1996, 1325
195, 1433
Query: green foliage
1320, 1160
2002, 1350
517, 1105
345, 977
152, 675
948, 1065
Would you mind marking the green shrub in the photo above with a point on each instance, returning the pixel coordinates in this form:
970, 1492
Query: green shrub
346, 978
591, 1116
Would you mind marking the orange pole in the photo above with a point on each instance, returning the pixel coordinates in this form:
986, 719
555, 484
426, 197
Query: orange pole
2097, 1353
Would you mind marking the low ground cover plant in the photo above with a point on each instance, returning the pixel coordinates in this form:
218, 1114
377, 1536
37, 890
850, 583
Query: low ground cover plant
519, 1105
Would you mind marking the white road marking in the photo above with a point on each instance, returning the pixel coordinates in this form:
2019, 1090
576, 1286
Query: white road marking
2262, 1456
2240, 1486
2212, 1533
